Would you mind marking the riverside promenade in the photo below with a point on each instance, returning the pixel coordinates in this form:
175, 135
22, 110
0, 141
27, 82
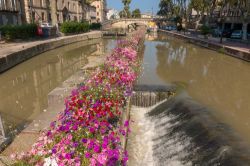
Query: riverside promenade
237, 50
12, 54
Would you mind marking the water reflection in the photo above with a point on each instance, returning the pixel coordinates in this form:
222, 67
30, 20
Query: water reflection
216, 80
24, 89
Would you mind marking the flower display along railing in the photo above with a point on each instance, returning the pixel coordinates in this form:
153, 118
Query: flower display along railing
88, 131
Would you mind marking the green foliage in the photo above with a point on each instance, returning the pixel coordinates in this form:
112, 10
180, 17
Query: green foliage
25, 31
205, 30
126, 2
125, 13
166, 7
136, 13
95, 26
75, 27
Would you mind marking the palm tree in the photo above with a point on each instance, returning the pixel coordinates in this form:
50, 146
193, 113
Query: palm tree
126, 2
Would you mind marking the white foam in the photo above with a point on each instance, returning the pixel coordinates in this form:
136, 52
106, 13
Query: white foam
142, 140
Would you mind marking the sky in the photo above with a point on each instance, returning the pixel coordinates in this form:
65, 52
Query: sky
143, 5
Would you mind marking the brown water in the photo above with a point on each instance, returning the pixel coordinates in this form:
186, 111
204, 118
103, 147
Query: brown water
218, 81
24, 88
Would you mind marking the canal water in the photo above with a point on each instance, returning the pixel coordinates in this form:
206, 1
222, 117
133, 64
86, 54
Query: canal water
24, 88
215, 80
200, 125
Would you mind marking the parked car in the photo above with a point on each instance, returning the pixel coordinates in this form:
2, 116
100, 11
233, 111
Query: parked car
46, 25
216, 32
248, 35
174, 28
227, 33
237, 34
170, 28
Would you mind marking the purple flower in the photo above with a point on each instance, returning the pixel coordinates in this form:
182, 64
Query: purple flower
75, 144
84, 140
87, 155
54, 150
68, 156
97, 148
126, 124
92, 129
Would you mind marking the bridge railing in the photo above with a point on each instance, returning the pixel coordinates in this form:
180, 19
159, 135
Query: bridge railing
126, 19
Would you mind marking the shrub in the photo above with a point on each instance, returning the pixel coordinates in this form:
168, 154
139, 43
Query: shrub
205, 30
96, 26
75, 27
25, 31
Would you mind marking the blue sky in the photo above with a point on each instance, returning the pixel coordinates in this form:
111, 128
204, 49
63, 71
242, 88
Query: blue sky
143, 5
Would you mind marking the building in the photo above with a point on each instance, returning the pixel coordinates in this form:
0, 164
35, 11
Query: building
56, 11
234, 17
90, 13
146, 15
10, 12
101, 10
112, 14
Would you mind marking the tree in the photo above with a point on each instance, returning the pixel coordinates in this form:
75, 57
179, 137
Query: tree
125, 14
126, 2
125, 9
166, 8
136, 13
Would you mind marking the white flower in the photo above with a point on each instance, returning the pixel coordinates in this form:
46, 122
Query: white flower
50, 162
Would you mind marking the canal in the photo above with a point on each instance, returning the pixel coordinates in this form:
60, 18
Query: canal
24, 88
205, 122
215, 80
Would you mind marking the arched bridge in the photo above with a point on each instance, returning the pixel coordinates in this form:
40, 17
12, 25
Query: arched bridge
124, 23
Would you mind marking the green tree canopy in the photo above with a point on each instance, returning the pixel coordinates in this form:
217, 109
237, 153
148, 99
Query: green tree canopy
126, 2
136, 13
166, 8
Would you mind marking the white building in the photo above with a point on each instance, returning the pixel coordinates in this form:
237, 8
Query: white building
146, 15
101, 10
112, 14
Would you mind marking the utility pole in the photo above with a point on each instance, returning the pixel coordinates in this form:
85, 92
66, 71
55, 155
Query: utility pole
152, 12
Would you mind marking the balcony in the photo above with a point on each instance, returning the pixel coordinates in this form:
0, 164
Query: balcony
8, 9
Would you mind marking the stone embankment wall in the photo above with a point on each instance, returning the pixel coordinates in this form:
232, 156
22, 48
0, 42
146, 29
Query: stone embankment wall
12, 59
213, 46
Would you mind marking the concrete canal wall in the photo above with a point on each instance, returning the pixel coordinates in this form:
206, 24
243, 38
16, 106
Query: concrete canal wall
241, 54
10, 58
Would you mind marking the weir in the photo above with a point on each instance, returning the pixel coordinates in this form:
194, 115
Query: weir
173, 129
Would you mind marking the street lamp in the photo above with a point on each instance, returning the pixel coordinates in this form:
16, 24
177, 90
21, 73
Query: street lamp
221, 34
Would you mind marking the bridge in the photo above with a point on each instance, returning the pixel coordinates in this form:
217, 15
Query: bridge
126, 22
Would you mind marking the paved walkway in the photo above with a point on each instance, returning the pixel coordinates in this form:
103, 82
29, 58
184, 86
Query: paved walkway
231, 44
9, 48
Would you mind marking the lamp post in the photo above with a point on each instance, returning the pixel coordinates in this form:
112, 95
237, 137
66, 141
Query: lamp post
221, 34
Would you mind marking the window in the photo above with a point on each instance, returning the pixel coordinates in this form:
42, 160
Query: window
43, 16
97, 13
50, 18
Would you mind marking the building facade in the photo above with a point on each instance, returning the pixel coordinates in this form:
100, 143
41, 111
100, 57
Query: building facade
10, 12
101, 10
90, 13
55, 11
234, 16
